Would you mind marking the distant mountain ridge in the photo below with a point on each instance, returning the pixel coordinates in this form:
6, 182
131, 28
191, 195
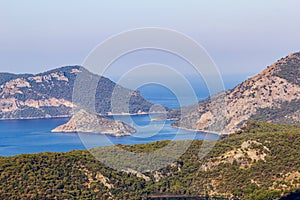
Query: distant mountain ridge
273, 96
49, 94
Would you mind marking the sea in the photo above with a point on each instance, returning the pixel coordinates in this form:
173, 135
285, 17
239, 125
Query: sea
34, 136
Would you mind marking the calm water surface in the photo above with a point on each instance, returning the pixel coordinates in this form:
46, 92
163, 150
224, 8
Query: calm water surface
33, 136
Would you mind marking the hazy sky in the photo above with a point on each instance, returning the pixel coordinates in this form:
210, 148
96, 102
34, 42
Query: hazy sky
242, 37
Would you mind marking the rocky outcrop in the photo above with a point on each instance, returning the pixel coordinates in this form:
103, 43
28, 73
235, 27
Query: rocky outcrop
248, 153
49, 94
84, 122
273, 95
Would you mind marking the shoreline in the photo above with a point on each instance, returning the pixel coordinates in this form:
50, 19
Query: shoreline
35, 118
202, 131
118, 114
88, 149
134, 114
69, 116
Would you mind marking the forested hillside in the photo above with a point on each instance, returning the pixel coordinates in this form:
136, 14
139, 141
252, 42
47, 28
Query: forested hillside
259, 162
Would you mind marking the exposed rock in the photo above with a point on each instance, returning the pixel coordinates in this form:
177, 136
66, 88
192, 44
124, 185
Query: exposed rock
49, 94
138, 174
85, 122
249, 152
94, 179
273, 95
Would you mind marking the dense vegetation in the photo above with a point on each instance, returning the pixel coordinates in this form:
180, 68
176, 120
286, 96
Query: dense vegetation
77, 175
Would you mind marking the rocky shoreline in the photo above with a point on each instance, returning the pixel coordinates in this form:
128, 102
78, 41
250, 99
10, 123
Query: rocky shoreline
85, 122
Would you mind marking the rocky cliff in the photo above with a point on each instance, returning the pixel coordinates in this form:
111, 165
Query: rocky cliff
273, 96
49, 94
84, 122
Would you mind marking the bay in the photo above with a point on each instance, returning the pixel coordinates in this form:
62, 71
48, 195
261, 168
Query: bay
34, 136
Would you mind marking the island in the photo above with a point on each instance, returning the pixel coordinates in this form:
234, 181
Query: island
85, 122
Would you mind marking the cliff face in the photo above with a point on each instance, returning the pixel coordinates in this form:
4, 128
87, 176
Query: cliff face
49, 94
85, 122
273, 95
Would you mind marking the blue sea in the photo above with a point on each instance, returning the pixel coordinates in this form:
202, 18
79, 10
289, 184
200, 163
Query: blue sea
34, 136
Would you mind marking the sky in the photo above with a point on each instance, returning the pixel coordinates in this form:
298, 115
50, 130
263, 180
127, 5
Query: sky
242, 37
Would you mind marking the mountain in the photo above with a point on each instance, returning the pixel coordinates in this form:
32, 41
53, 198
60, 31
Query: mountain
261, 163
273, 96
85, 122
49, 94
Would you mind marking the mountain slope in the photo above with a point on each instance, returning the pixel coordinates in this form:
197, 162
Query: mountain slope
273, 95
49, 94
261, 163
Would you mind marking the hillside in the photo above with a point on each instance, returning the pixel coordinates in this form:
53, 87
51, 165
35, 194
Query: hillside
49, 94
273, 96
260, 163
